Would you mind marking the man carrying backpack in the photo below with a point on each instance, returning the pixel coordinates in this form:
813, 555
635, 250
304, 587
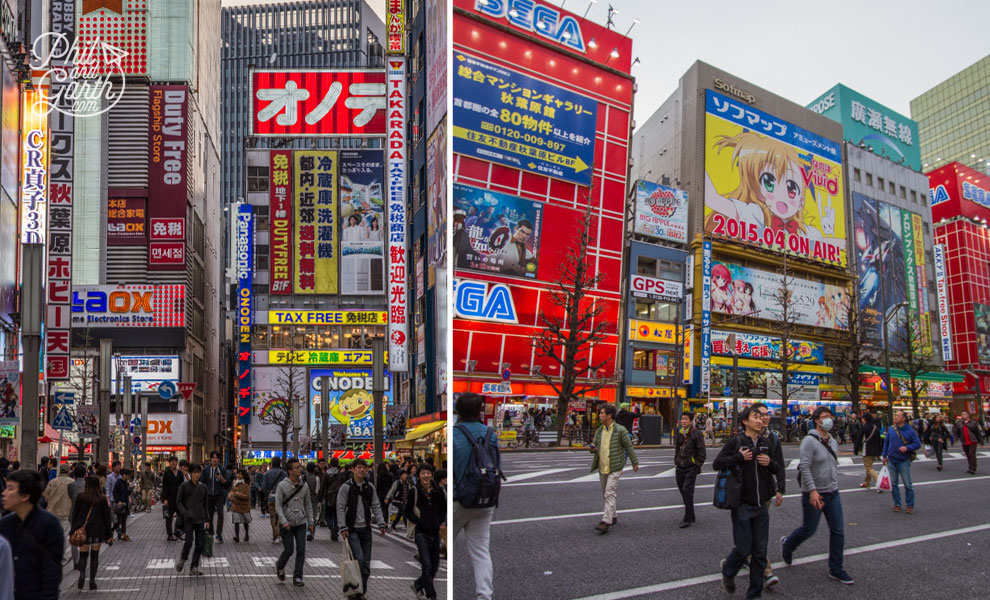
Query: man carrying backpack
477, 480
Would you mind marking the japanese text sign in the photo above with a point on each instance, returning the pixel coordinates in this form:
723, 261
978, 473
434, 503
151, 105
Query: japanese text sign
395, 26
749, 345
245, 309
280, 219
320, 357
661, 211
398, 261
316, 222
100, 306
944, 315
168, 158
34, 170
515, 120
328, 317
772, 184
126, 221
317, 103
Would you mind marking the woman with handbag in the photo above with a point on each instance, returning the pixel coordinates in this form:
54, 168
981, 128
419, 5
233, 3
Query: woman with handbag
90, 527
426, 512
937, 437
240, 505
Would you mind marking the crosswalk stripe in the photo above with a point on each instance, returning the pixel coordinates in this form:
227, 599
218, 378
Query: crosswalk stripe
219, 562
263, 561
161, 563
377, 564
321, 563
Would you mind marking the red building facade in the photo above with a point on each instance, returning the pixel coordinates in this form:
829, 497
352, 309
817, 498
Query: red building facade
960, 203
561, 55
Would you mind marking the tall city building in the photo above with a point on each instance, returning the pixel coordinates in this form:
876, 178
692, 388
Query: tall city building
952, 120
541, 126
767, 208
313, 34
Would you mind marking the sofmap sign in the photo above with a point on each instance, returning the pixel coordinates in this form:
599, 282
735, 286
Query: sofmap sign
318, 103
398, 263
245, 308
476, 301
656, 289
541, 19
886, 132
506, 117
129, 306
749, 345
944, 316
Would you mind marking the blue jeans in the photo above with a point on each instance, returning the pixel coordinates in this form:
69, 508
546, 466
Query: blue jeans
750, 531
429, 558
898, 470
833, 515
360, 541
295, 536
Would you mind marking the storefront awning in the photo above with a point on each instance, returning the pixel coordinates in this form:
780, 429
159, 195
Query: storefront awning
901, 374
421, 431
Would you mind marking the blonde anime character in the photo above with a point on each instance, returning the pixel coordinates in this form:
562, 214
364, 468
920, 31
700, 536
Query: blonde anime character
771, 190
833, 310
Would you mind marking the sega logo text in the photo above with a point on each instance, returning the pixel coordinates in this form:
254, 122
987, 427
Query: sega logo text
474, 300
540, 19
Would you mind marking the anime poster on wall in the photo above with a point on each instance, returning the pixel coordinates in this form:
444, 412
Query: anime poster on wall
362, 217
771, 184
738, 290
981, 315
496, 233
880, 260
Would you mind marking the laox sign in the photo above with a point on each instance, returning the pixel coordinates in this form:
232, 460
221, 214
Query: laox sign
115, 302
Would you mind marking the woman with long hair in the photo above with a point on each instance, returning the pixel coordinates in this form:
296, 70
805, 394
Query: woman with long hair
240, 505
938, 438
426, 511
91, 511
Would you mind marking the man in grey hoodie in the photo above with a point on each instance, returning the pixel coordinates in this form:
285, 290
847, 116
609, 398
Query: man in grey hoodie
358, 509
818, 476
294, 508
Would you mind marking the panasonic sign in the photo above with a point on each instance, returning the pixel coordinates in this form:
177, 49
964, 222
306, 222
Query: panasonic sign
543, 20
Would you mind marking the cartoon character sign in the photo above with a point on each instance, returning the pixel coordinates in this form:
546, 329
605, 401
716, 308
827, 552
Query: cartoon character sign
9, 400
772, 184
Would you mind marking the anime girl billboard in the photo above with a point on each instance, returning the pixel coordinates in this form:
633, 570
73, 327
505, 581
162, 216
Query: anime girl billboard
771, 184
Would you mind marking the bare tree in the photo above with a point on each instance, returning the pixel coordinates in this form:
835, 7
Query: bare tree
852, 356
82, 379
911, 358
784, 324
290, 388
574, 327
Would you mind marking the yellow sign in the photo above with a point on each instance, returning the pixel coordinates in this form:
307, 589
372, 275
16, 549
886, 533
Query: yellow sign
321, 357
653, 392
315, 224
650, 331
328, 317
507, 435
769, 365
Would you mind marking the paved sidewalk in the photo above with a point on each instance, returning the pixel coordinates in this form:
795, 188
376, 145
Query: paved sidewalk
144, 569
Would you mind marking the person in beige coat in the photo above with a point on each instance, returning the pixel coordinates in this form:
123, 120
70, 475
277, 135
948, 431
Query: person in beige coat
240, 505
57, 496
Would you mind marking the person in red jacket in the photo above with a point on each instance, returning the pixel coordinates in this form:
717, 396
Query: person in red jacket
968, 432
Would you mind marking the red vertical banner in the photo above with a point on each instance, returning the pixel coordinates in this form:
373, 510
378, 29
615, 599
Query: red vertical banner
280, 222
167, 176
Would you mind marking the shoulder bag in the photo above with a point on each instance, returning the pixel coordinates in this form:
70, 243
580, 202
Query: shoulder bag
410, 526
78, 537
912, 456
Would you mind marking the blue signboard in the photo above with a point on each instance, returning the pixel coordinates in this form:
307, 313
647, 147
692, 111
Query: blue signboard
505, 117
167, 390
245, 310
706, 318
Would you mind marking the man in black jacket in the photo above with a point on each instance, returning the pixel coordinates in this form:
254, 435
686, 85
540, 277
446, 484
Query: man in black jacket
970, 434
750, 456
171, 480
689, 456
37, 541
218, 482
191, 502
871, 443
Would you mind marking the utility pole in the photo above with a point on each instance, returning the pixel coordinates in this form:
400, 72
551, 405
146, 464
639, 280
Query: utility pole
32, 303
144, 429
127, 410
106, 350
378, 391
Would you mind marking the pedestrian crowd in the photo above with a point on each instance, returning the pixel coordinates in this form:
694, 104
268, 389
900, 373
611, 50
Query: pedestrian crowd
52, 518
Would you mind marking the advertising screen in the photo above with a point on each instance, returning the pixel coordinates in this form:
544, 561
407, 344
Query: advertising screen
168, 158
350, 399
750, 345
362, 217
315, 222
738, 290
146, 372
500, 233
436, 193
101, 306
436, 62
315, 102
661, 211
771, 184
505, 117
981, 314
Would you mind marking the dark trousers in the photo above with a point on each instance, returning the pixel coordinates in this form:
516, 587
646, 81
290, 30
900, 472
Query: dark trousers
937, 448
429, 558
169, 516
194, 539
360, 541
293, 539
331, 515
750, 530
836, 534
970, 451
686, 478
214, 506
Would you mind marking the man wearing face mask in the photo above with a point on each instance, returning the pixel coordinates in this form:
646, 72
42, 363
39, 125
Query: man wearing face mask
818, 476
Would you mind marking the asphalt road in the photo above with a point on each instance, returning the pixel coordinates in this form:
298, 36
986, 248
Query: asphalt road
544, 544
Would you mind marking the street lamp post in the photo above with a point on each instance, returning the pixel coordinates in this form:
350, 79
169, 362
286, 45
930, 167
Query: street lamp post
730, 341
886, 357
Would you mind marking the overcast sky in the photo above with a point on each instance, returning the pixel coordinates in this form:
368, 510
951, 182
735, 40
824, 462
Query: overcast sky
889, 51
377, 5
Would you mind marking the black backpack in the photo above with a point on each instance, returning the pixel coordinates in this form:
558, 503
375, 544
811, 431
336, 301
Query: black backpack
482, 481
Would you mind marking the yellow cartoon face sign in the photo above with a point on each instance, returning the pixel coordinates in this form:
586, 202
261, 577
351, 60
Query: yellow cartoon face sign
353, 405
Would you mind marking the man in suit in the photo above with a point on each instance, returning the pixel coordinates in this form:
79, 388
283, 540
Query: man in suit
172, 478
218, 482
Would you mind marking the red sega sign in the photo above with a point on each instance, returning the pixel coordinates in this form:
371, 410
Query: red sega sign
318, 102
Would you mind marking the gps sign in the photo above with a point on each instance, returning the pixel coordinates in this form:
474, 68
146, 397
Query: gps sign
656, 289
